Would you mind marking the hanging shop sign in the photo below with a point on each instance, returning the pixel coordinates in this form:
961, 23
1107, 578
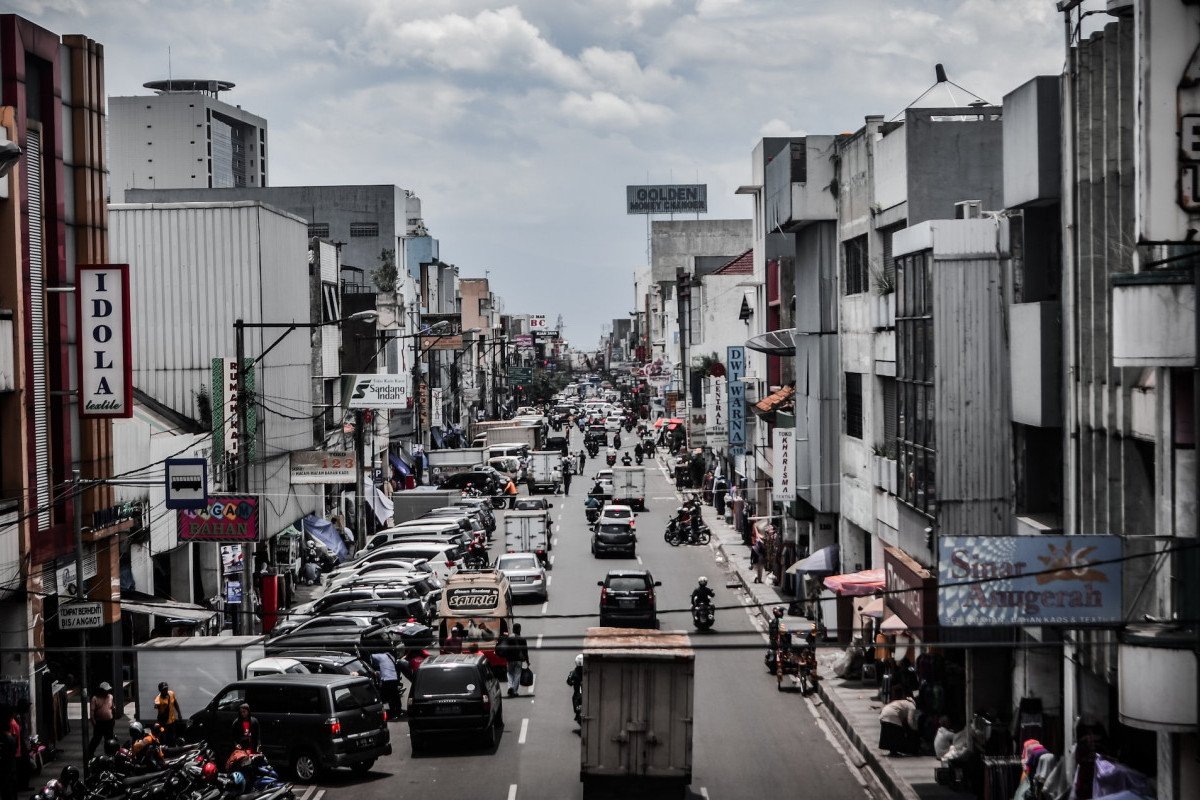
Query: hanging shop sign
104, 343
735, 360
225, 518
323, 466
1029, 580
783, 466
375, 391
435, 406
911, 593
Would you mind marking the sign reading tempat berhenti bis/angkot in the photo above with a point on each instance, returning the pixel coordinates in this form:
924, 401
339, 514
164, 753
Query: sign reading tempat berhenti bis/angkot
684, 198
80, 616
104, 346
225, 518
375, 391
1029, 580
323, 466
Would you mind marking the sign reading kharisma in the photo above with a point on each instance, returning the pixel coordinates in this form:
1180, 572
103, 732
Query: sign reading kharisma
1029, 580
668, 199
783, 453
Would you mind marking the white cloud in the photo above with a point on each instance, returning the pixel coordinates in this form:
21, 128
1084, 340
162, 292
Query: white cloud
605, 109
778, 127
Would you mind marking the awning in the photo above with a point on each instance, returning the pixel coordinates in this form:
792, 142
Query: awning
436, 433
856, 584
782, 399
399, 465
893, 624
658, 423
824, 560
873, 608
774, 343
169, 611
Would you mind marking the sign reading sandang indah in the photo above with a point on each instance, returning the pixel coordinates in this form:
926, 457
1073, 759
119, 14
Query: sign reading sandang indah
1029, 580
670, 199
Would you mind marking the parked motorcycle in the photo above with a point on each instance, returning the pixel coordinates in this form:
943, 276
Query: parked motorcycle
703, 616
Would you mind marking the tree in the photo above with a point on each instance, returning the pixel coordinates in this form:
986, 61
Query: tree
386, 276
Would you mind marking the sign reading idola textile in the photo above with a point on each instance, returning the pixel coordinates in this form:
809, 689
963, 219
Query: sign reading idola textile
226, 518
1029, 580
105, 349
670, 199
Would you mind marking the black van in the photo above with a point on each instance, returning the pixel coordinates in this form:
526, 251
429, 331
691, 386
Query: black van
311, 723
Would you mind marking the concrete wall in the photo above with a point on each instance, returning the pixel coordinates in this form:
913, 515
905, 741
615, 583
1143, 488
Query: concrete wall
953, 154
673, 245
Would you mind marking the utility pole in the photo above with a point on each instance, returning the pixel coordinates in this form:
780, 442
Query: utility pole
80, 596
246, 613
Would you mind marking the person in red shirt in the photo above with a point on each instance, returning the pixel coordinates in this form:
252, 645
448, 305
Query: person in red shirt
246, 727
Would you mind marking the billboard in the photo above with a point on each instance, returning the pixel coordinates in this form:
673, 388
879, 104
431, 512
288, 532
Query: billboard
667, 199
323, 466
105, 349
1029, 580
375, 391
225, 518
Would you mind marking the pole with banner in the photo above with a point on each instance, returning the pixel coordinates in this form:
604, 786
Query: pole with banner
735, 360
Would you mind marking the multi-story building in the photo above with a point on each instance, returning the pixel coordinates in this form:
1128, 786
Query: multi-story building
184, 136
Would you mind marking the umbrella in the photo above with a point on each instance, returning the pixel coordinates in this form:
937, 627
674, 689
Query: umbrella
824, 560
658, 423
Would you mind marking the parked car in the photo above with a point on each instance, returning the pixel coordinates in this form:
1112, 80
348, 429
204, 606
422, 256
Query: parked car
274, 666
342, 633
614, 538
615, 512
310, 723
485, 508
627, 599
526, 575
485, 482
453, 695
331, 662
457, 512
435, 529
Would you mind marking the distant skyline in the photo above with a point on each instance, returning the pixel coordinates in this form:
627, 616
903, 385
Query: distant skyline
519, 125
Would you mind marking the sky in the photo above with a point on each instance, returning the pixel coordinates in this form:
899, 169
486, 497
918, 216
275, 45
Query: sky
520, 124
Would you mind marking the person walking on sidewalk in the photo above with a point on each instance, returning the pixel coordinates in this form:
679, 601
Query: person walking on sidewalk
517, 654
245, 726
758, 558
166, 705
101, 712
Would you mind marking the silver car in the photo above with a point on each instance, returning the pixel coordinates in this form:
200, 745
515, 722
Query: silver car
526, 575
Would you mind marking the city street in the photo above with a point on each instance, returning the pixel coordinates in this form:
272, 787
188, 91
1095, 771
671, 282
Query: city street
749, 739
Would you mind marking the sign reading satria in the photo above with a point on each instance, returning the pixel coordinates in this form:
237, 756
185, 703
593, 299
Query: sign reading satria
671, 199
473, 598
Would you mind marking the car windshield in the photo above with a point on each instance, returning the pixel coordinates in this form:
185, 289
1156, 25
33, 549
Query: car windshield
518, 562
436, 681
356, 695
614, 529
627, 584
618, 513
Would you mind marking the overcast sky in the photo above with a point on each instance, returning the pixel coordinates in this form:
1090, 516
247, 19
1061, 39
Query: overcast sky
520, 124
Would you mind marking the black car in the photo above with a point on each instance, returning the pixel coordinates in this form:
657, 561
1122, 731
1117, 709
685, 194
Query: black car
614, 538
627, 599
485, 482
346, 637
484, 506
311, 723
453, 695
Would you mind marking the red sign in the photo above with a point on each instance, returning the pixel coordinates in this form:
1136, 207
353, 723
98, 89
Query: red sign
226, 518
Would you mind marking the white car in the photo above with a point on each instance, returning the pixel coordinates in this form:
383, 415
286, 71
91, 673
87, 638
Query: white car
617, 513
526, 575
613, 423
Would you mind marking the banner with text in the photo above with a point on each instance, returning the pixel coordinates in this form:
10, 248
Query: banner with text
1029, 580
226, 518
435, 406
735, 361
105, 346
783, 453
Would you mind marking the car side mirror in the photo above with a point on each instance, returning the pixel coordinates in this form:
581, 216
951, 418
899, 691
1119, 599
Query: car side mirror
658, 583
599, 583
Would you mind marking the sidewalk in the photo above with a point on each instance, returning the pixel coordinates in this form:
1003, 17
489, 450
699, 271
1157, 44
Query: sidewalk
847, 702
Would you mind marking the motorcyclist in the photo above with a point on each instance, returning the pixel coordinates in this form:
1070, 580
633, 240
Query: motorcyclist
145, 748
626, 459
575, 681
610, 455
702, 595
617, 440
639, 452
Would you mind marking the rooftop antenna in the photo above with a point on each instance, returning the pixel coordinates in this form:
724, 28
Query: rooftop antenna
943, 84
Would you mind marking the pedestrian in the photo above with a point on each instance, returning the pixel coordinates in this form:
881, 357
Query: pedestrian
566, 476
245, 726
8, 756
510, 490
898, 727
719, 491
518, 658
101, 712
21, 771
389, 683
582, 460
168, 712
758, 558
346, 534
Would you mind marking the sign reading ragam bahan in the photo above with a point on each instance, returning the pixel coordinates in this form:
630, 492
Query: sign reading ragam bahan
671, 199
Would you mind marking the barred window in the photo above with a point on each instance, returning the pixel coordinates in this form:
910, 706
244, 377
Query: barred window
858, 275
915, 416
318, 230
364, 229
854, 405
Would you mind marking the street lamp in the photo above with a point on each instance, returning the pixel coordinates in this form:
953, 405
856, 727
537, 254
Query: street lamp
243, 459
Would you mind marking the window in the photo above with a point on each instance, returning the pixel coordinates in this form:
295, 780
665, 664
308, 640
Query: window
332, 303
857, 279
363, 229
854, 405
915, 397
318, 230
231, 700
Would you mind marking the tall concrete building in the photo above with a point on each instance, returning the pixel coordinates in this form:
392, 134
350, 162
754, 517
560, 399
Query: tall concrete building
184, 136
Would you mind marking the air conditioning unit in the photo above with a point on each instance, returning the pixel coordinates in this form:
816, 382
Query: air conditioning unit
968, 209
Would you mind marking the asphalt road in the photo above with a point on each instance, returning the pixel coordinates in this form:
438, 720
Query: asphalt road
750, 740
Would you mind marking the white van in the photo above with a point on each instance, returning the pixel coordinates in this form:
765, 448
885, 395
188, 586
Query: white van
275, 666
507, 449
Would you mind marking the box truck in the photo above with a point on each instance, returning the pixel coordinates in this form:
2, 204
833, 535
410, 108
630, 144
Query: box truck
636, 720
444, 463
412, 503
544, 471
197, 667
629, 486
528, 532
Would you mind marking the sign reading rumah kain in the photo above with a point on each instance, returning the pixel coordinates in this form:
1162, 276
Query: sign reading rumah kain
105, 349
669, 199
225, 518
1029, 580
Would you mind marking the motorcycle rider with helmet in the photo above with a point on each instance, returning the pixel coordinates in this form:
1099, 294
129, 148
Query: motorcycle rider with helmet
575, 681
702, 595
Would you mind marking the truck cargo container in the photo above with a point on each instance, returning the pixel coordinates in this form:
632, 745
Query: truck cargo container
411, 504
629, 486
196, 666
544, 471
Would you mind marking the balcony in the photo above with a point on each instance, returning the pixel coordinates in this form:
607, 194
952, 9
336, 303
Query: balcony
798, 182
1154, 319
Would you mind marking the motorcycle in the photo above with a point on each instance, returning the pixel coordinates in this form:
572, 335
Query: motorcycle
593, 448
617, 441
638, 459
679, 531
703, 616
611, 458
626, 460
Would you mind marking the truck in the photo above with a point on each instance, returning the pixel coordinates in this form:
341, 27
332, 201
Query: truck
636, 720
412, 503
629, 486
197, 666
544, 471
481, 427
529, 435
528, 532
444, 463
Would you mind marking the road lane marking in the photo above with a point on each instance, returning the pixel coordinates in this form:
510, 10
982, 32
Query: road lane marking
308, 790
538, 646
545, 608
512, 791
551, 559
554, 541
524, 731
549, 578
639, 560
704, 792
319, 795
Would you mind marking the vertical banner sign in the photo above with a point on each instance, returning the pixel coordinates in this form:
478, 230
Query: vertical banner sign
783, 487
104, 348
714, 407
435, 406
735, 360
424, 421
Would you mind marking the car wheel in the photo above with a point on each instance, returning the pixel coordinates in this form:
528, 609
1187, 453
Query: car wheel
305, 766
362, 767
